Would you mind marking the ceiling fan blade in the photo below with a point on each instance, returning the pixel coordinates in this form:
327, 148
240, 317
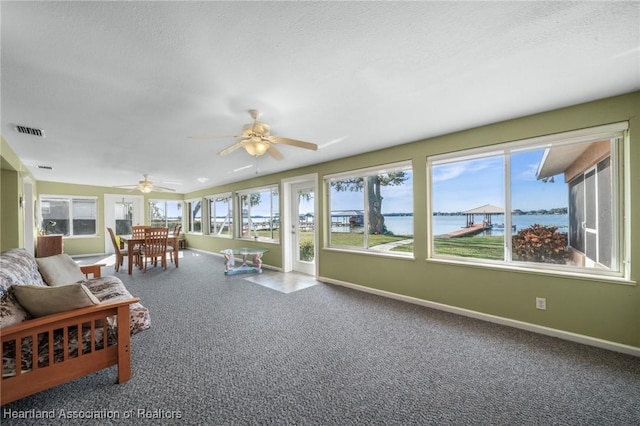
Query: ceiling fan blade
145, 186
161, 188
293, 142
272, 151
230, 149
213, 136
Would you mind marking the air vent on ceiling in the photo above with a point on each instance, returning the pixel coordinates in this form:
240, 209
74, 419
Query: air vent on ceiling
30, 131
45, 167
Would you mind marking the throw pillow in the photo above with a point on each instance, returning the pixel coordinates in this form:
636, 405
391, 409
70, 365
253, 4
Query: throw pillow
40, 301
59, 270
10, 310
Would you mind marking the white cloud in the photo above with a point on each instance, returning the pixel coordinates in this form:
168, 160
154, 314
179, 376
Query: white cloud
451, 171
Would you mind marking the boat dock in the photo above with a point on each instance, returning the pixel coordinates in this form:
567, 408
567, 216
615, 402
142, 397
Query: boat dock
464, 232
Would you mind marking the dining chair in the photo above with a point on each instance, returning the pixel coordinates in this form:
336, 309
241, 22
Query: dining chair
172, 247
121, 254
137, 232
155, 246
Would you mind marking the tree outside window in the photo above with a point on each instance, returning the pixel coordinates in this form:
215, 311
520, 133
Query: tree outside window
221, 215
372, 209
260, 214
165, 213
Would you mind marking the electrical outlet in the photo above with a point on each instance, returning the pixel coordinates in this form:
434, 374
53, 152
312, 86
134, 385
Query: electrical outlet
541, 303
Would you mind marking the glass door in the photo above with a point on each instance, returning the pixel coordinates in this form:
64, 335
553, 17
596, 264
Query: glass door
120, 213
303, 228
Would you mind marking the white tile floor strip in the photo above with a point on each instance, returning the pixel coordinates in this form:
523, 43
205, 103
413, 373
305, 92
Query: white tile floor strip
283, 282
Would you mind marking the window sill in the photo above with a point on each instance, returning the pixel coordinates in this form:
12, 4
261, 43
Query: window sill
253, 240
394, 255
547, 272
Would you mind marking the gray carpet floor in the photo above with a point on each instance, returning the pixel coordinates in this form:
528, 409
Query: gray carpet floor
223, 350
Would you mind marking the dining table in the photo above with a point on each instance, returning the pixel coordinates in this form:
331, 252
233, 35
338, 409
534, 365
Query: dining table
131, 242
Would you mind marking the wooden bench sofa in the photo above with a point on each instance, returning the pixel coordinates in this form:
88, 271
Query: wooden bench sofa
41, 351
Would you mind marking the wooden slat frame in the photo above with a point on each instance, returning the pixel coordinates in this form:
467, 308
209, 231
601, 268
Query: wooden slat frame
41, 378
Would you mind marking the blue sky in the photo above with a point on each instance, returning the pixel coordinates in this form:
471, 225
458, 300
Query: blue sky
456, 187
172, 209
468, 184
396, 199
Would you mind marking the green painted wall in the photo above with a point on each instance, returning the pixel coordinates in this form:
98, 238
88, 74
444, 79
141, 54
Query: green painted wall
11, 214
9, 210
600, 309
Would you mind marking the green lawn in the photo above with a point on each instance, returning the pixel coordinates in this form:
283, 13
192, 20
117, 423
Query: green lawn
477, 247
357, 240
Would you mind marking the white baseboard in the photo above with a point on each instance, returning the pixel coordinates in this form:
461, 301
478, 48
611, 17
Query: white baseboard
566, 335
79, 256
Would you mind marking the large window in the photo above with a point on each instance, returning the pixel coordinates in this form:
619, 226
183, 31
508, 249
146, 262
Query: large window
221, 215
165, 213
553, 202
260, 214
195, 216
69, 216
372, 209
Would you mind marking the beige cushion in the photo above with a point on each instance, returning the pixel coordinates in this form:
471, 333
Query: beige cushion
59, 270
40, 301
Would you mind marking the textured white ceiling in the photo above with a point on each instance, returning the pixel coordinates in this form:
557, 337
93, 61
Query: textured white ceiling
118, 86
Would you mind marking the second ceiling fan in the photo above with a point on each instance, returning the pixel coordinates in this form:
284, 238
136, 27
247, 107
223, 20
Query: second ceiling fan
257, 140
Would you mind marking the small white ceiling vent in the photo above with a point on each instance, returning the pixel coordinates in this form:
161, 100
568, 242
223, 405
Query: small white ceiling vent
30, 131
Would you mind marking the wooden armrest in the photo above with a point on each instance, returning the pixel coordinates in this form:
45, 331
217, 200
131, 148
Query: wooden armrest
60, 316
93, 270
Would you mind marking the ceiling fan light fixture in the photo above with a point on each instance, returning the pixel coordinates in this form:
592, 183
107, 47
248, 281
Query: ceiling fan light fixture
256, 139
256, 148
145, 189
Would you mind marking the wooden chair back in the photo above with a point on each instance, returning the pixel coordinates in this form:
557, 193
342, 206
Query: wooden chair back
116, 247
155, 241
138, 231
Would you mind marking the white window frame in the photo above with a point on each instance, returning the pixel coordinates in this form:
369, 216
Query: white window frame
363, 173
238, 215
165, 201
211, 213
69, 199
620, 199
189, 222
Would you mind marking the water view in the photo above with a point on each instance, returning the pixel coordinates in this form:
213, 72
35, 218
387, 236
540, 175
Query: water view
403, 225
445, 224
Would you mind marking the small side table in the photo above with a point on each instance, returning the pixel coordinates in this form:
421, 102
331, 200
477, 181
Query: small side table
230, 260
49, 245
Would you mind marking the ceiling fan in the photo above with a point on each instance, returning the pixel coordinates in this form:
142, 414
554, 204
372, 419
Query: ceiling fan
146, 186
257, 140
